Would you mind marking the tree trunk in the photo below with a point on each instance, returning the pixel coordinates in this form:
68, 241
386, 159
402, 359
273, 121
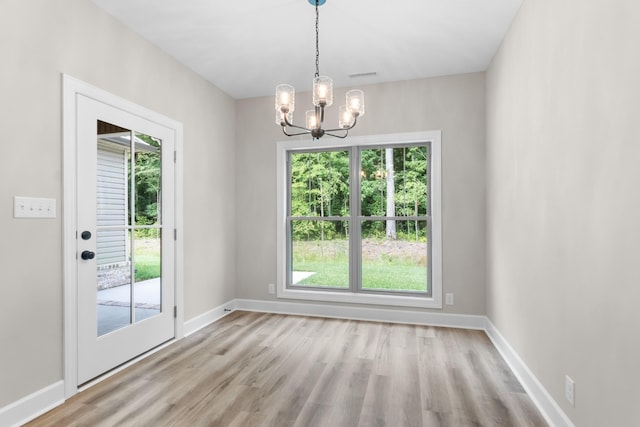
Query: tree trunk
415, 212
391, 192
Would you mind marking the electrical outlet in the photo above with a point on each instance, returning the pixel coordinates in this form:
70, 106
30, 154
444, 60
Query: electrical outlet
448, 299
569, 390
271, 288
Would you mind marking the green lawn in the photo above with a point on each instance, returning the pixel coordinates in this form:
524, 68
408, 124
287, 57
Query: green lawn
334, 274
328, 261
398, 276
147, 259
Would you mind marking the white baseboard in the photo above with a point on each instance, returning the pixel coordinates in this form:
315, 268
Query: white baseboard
205, 319
49, 397
362, 313
36, 404
549, 408
33, 405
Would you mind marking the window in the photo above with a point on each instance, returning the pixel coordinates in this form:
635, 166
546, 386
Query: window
359, 222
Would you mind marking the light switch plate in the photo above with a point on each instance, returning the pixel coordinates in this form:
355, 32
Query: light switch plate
569, 390
32, 207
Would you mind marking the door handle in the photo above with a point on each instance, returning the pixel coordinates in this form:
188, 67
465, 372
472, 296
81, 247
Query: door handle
85, 255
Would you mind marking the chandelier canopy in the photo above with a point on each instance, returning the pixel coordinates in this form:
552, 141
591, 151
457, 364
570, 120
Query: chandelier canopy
322, 97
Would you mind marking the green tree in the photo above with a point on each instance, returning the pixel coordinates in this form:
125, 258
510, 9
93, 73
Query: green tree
390, 185
319, 188
148, 181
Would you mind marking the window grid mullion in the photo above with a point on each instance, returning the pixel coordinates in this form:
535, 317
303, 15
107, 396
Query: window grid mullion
317, 218
355, 230
288, 226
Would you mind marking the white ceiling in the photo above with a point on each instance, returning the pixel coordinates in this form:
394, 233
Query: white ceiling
247, 47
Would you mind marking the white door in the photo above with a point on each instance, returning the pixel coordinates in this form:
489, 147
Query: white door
125, 236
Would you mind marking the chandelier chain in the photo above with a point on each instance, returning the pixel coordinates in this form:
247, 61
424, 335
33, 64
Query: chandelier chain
317, 42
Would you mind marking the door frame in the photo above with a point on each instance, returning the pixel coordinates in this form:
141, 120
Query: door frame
71, 88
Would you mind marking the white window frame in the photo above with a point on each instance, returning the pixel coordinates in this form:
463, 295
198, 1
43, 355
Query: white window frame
435, 300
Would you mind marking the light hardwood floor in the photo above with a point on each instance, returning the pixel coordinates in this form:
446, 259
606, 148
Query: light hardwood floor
256, 369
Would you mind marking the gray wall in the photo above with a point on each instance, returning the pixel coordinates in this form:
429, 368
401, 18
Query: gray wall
563, 222
39, 40
452, 104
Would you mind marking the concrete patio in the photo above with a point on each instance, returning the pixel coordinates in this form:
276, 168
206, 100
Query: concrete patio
114, 304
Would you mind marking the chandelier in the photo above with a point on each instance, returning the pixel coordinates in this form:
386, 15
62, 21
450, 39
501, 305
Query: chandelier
322, 98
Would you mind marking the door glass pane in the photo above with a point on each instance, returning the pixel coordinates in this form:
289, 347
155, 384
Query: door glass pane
148, 180
147, 226
128, 227
146, 293
319, 254
394, 265
113, 255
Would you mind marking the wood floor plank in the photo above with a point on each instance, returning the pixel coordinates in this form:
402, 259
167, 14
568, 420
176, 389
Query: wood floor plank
376, 407
260, 369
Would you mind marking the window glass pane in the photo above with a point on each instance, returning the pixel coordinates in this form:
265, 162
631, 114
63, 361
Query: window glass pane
399, 264
373, 184
383, 245
319, 184
394, 181
319, 254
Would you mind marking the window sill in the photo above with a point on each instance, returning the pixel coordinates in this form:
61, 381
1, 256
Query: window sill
357, 298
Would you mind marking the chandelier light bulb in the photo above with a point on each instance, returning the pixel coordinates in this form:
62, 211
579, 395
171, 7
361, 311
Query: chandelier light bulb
355, 102
312, 119
285, 98
345, 118
322, 91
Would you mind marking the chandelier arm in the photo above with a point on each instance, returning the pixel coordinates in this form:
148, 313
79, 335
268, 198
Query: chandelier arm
355, 121
337, 136
299, 127
339, 129
291, 125
294, 134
